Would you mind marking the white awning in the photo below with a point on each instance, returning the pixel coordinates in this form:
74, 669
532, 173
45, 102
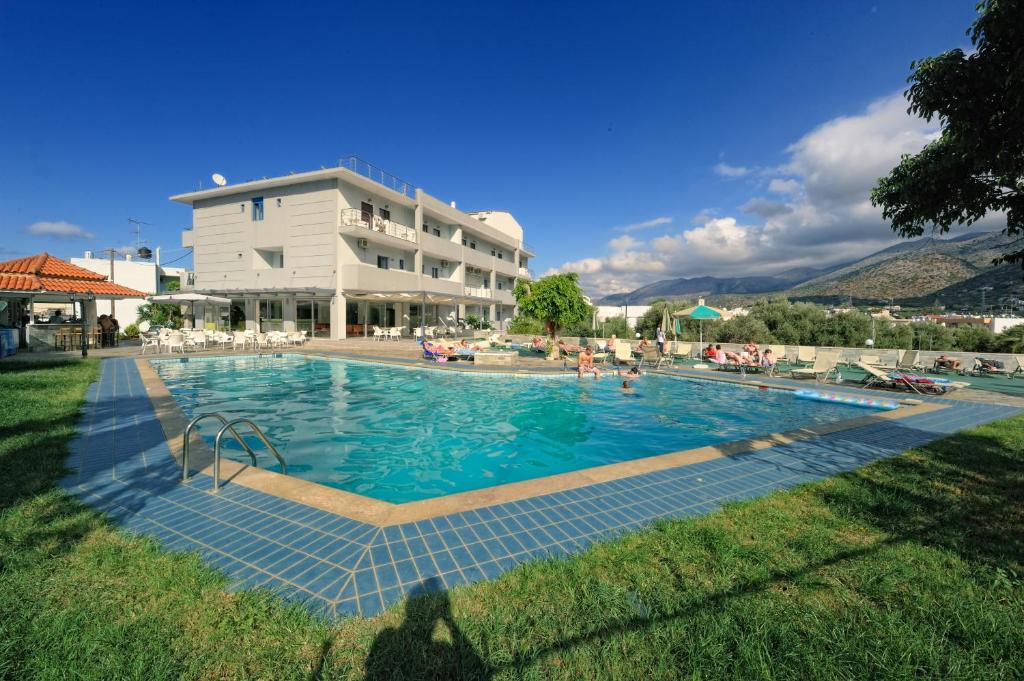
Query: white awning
188, 297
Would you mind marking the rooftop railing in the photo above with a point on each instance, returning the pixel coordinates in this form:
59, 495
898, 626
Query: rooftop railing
355, 217
372, 172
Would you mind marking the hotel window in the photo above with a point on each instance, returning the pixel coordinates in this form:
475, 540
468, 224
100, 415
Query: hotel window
382, 262
279, 203
401, 263
437, 232
434, 273
500, 256
385, 214
500, 286
472, 244
463, 242
426, 227
493, 253
257, 209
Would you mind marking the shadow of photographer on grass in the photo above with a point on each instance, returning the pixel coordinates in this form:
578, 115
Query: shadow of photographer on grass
414, 651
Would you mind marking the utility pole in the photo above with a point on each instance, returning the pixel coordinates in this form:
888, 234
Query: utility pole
111, 252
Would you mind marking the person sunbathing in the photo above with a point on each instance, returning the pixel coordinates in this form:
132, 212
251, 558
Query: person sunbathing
753, 351
585, 364
644, 343
537, 345
944, 362
569, 347
463, 348
610, 345
768, 361
719, 356
437, 349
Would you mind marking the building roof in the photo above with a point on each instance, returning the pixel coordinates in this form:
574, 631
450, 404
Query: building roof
44, 273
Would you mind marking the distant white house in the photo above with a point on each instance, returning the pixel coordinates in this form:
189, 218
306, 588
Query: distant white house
142, 275
632, 313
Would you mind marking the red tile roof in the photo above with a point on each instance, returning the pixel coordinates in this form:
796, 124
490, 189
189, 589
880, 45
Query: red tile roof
48, 266
44, 273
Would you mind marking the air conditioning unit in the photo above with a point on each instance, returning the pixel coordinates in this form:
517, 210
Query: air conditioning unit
362, 243
444, 263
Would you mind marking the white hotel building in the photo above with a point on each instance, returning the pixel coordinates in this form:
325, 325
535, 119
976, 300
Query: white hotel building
339, 250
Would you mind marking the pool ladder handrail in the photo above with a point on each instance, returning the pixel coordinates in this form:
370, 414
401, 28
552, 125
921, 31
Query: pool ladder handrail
226, 427
229, 426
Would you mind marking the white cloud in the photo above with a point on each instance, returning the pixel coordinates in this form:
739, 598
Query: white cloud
780, 186
824, 215
646, 224
61, 229
726, 170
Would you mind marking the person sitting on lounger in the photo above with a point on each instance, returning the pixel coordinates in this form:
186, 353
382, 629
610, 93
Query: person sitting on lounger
753, 351
944, 362
537, 344
610, 345
719, 356
768, 361
990, 364
436, 349
709, 351
464, 349
586, 364
644, 343
739, 359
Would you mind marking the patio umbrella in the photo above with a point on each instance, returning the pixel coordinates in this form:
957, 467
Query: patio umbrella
664, 320
190, 298
699, 312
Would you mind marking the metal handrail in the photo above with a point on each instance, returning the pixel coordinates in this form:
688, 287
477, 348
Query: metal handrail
355, 217
259, 433
188, 431
381, 177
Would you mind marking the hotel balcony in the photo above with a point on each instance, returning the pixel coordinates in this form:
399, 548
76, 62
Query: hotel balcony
441, 248
503, 267
525, 273
364, 277
504, 297
355, 222
478, 292
440, 285
475, 258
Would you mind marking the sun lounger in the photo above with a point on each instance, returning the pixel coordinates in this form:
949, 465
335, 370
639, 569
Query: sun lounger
651, 357
898, 380
910, 360
823, 367
779, 352
623, 353
681, 350
1019, 369
806, 354
984, 367
871, 360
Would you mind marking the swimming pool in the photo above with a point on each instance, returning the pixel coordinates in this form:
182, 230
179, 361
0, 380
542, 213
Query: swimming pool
402, 434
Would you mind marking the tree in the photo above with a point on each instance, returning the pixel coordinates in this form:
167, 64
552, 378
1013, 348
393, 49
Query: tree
556, 300
742, 329
647, 325
524, 325
976, 166
1011, 340
616, 326
973, 339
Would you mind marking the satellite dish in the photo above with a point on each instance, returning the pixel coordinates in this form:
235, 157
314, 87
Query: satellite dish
145, 253
219, 180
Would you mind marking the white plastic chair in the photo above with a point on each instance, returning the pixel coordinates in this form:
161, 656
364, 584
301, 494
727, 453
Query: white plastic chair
379, 334
395, 333
240, 340
150, 342
175, 340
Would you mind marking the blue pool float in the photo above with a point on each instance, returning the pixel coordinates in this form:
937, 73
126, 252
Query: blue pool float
852, 400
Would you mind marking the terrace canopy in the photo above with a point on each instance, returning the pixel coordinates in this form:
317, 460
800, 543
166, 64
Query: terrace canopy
44, 278
191, 298
422, 297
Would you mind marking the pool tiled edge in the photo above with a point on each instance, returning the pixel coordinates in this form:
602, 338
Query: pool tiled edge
336, 565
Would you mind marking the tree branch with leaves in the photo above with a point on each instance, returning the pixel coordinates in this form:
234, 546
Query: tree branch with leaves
555, 300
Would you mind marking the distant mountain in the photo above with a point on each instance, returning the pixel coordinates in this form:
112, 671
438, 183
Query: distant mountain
910, 270
707, 286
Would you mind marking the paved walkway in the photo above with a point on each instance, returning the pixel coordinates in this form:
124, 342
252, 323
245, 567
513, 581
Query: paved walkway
337, 566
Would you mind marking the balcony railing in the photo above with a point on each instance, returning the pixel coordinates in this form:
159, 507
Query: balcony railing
372, 172
354, 217
478, 291
525, 273
528, 248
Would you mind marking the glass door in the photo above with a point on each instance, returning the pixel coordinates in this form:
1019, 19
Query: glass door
314, 317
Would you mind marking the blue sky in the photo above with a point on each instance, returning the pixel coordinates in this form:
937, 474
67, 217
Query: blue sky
633, 142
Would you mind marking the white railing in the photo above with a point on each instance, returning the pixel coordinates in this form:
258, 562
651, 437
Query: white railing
478, 291
525, 273
354, 217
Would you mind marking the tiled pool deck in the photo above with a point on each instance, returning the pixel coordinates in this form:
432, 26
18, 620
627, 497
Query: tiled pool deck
338, 566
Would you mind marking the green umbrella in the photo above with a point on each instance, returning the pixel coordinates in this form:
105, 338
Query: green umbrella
700, 312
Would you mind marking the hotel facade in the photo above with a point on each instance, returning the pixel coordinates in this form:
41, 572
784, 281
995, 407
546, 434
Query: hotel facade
337, 251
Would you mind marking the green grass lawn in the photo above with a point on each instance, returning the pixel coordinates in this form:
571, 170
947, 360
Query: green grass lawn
912, 567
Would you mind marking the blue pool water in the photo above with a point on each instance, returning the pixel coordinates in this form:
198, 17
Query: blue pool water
403, 434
